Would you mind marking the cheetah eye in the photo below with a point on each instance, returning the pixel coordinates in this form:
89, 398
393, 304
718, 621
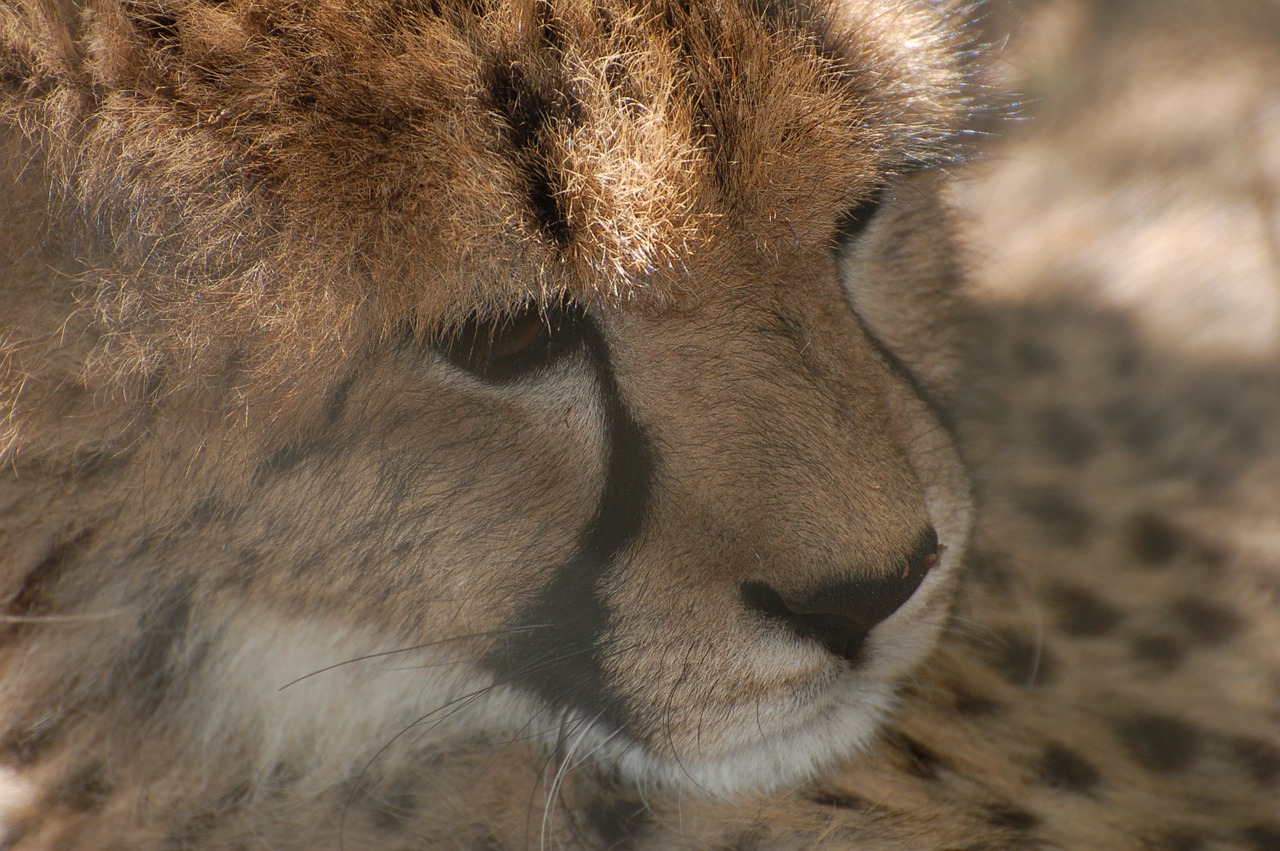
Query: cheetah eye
509, 346
853, 222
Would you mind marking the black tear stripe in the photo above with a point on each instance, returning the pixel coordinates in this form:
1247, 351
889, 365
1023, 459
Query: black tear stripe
557, 653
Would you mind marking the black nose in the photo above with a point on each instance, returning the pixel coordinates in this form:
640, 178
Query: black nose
840, 614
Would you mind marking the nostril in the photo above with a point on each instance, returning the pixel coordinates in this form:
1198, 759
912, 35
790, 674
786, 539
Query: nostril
840, 635
840, 614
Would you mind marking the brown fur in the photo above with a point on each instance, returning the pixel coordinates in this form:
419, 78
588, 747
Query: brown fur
258, 535
247, 239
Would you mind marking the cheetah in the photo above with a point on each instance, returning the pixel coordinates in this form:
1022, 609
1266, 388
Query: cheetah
559, 424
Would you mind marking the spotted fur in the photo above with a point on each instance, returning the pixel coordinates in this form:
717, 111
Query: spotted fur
480, 425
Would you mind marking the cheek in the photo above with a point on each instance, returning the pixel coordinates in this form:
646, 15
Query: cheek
455, 501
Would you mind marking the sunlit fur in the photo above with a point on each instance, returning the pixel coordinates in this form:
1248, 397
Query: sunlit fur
257, 525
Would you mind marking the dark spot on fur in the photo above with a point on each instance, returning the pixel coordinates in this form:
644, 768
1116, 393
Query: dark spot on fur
1206, 623
1142, 429
1009, 817
618, 75
1067, 436
283, 776
479, 8
919, 760
777, 15
1208, 557
335, 407
615, 820
159, 27
1083, 613
1161, 652
87, 463
289, 457
1118, 412
1126, 359
16, 70
746, 840
1035, 357
305, 102
85, 790
1065, 769
1059, 514
1154, 540
526, 109
194, 830
1260, 759
200, 827
975, 706
718, 137
248, 560
1160, 742
208, 510
32, 596
841, 801
550, 28
394, 807
26, 743
151, 661
1262, 837
546, 206
991, 569
1022, 661
1182, 840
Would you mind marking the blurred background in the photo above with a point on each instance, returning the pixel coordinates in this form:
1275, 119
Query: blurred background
1123, 237
1140, 167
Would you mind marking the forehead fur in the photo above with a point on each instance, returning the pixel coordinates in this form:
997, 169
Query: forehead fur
378, 162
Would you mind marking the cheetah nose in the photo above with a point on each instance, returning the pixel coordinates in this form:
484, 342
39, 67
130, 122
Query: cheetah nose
840, 614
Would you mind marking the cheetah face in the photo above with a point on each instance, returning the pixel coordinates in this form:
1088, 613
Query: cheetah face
702, 543
563, 369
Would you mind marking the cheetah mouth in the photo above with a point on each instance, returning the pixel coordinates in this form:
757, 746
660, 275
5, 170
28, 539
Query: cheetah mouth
783, 754
808, 711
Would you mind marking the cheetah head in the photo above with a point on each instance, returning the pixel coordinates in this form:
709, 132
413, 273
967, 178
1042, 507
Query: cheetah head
408, 372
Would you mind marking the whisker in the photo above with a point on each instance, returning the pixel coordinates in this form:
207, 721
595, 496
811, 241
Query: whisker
88, 617
458, 704
462, 702
385, 653
553, 793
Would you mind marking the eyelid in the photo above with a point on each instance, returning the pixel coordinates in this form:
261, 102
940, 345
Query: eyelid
853, 222
506, 347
